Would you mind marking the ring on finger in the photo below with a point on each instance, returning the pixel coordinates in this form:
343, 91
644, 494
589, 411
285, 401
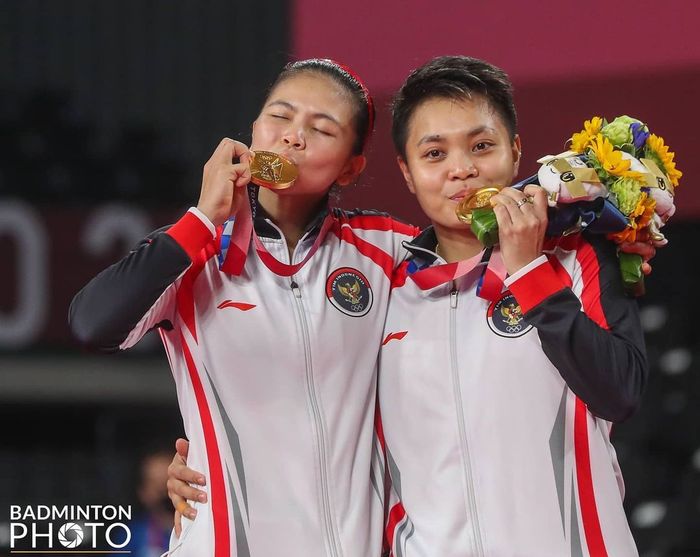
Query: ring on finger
526, 199
181, 507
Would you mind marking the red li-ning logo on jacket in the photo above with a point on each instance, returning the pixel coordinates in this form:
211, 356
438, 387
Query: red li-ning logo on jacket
505, 317
349, 292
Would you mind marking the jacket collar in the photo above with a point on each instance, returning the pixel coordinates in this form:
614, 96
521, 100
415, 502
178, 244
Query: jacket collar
265, 228
423, 246
422, 250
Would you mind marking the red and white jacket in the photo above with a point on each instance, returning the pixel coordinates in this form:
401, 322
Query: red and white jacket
497, 412
275, 376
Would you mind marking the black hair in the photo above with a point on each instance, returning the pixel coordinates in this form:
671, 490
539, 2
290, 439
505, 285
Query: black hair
452, 77
346, 78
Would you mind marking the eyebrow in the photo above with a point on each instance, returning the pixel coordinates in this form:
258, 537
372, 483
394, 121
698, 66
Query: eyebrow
437, 138
291, 107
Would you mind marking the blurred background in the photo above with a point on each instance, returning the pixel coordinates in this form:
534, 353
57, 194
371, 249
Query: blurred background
109, 109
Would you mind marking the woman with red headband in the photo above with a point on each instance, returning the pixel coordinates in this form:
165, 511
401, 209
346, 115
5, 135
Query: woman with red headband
272, 322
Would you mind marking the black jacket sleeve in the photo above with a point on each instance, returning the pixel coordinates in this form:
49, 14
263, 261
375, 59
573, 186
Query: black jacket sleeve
105, 312
599, 352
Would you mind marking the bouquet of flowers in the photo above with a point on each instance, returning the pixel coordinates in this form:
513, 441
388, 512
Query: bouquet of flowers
617, 179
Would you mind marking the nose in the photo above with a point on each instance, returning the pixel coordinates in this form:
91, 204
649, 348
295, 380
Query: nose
462, 167
294, 138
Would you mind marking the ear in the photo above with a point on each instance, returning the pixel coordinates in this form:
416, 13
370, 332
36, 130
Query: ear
352, 170
517, 153
406, 174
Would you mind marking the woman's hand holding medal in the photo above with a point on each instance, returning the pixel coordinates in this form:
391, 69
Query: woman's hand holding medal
522, 222
223, 181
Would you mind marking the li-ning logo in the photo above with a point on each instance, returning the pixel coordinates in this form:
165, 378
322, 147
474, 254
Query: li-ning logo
505, 318
42, 528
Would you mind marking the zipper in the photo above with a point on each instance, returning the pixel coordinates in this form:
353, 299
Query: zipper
478, 545
318, 426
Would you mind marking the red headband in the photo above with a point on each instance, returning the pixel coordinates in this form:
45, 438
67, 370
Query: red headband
368, 98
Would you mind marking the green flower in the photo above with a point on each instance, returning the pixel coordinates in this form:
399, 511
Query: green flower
619, 132
628, 193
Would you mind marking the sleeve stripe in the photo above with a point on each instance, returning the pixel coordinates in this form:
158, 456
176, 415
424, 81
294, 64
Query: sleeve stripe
535, 286
559, 269
219, 505
191, 234
396, 516
584, 479
378, 256
372, 222
590, 297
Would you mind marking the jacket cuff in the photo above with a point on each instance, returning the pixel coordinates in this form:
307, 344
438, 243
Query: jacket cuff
191, 233
534, 286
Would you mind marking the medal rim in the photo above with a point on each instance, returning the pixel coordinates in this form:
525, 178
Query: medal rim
465, 207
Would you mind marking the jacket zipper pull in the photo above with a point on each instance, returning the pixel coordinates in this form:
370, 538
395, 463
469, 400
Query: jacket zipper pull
295, 289
453, 298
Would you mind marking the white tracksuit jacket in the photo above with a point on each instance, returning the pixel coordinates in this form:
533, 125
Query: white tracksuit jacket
275, 376
497, 414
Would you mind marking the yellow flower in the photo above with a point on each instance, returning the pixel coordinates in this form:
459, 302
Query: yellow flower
639, 220
591, 128
657, 146
611, 160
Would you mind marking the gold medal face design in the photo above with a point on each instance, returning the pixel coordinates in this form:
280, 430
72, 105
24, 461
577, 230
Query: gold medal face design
477, 200
271, 170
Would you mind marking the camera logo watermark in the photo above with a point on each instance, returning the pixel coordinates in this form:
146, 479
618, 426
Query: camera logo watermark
69, 529
76, 533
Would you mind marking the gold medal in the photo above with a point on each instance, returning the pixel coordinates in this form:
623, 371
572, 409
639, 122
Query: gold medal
477, 200
271, 170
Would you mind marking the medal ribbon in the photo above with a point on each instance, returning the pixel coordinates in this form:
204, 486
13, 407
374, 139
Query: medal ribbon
243, 231
490, 284
282, 269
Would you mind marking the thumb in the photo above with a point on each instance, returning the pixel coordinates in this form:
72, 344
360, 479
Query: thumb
182, 447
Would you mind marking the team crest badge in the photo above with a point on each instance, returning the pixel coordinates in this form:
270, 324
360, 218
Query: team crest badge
349, 291
505, 317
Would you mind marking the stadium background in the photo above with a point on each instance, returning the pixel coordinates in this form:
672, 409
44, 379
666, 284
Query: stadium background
109, 109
